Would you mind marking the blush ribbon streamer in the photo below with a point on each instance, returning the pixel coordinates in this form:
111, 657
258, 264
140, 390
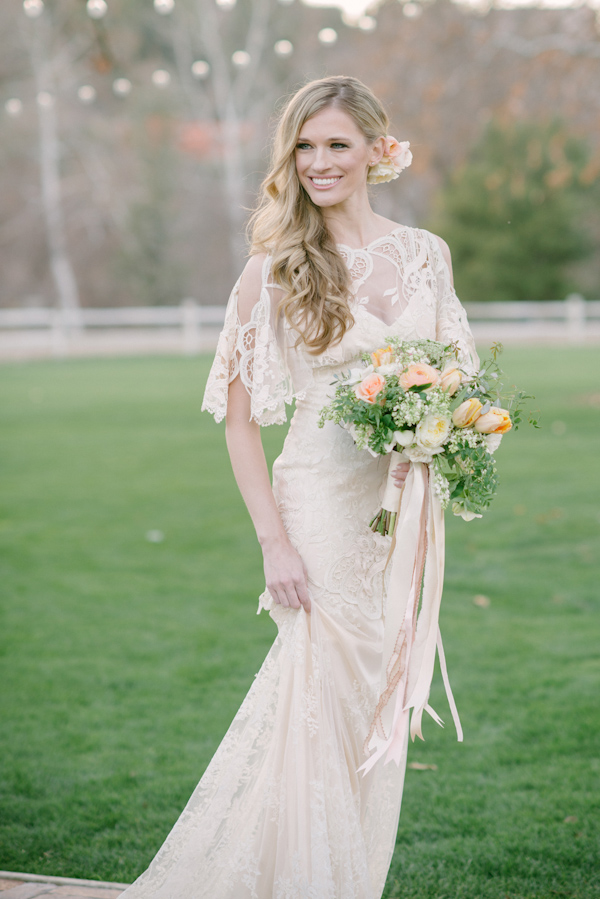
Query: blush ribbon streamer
412, 634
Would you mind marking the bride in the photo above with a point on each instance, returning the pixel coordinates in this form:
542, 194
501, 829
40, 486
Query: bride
282, 811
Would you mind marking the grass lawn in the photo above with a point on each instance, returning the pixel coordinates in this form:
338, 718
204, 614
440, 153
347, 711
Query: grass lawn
123, 660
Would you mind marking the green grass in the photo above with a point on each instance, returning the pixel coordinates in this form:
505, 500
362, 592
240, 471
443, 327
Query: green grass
123, 661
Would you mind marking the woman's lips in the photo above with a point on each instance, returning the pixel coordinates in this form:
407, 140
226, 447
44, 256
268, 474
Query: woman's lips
325, 183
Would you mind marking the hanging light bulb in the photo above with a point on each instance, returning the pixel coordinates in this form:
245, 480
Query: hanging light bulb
96, 9
161, 78
13, 107
121, 87
240, 59
87, 93
328, 35
367, 23
45, 99
412, 10
283, 48
226, 4
33, 8
200, 69
164, 7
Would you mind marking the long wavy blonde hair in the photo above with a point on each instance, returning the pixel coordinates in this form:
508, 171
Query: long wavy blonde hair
289, 226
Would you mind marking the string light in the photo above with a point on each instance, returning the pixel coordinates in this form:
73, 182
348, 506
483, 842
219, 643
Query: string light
240, 59
283, 48
200, 69
13, 107
33, 8
87, 93
226, 4
328, 35
45, 100
367, 23
161, 78
164, 7
96, 9
121, 87
412, 10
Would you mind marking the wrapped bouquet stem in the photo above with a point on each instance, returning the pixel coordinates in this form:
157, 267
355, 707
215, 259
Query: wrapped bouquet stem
385, 520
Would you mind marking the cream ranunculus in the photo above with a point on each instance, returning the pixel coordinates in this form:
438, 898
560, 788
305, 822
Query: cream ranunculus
451, 379
467, 413
496, 421
432, 431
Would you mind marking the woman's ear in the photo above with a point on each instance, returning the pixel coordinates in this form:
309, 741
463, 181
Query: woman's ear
377, 150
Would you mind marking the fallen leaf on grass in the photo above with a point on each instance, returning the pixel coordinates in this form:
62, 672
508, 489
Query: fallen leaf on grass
419, 766
484, 602
571, 819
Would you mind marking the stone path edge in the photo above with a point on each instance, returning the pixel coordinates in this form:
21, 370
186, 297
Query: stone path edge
67, 881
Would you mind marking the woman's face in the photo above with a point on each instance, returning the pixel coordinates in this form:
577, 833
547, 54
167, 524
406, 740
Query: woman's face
333, 156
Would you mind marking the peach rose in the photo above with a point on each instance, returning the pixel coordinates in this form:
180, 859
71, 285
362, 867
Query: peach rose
496, 421
419, 373
450, 379
382, 356
467, 413
369, 387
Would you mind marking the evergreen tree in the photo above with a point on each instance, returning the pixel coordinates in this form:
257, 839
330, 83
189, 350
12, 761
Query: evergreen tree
515, 213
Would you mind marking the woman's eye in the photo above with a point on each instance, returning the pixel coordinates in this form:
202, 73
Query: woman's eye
302, 146
339, 144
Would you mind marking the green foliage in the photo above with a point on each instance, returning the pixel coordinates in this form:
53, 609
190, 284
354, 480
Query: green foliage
122, 661
515, 214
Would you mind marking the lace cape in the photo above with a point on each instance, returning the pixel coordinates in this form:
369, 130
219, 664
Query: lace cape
263, 351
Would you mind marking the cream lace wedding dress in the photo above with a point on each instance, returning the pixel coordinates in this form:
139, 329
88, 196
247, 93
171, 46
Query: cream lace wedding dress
281, 812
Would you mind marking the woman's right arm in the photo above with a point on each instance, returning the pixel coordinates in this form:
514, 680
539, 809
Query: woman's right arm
285, 574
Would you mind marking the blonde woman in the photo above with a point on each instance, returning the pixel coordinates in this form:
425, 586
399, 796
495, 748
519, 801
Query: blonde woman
282, 811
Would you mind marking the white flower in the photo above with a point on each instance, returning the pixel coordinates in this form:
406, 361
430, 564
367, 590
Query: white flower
432, 431
418, 454
404, 438
357, 374
459, 509
492, 442
392, 368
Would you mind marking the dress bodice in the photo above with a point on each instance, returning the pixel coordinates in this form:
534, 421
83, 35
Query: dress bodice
401, 287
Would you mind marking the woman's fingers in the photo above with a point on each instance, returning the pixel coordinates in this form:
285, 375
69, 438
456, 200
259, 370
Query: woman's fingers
285, 575
400, 473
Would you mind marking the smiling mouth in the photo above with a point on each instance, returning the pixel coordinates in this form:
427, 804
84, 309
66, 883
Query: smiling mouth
325, 182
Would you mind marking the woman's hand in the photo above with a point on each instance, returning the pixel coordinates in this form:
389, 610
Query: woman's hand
285, 573
400, 473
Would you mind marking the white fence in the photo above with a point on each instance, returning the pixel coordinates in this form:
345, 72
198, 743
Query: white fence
190, 328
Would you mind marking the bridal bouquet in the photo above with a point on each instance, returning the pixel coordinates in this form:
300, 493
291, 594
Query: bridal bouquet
411, 400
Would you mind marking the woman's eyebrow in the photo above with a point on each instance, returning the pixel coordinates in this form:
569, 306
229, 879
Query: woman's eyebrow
308, 141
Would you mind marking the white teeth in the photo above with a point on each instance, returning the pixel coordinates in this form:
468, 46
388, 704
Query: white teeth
322, 181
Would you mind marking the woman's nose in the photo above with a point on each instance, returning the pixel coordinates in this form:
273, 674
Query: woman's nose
321, 160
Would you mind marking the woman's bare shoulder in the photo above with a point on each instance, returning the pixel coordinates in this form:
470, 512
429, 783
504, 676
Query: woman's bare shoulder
250, 285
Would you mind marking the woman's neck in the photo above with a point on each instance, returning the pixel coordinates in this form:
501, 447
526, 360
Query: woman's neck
355, 227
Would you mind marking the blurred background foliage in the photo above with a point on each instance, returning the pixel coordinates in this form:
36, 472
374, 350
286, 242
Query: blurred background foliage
134, 135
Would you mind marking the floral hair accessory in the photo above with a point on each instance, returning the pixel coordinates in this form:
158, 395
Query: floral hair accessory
396, 157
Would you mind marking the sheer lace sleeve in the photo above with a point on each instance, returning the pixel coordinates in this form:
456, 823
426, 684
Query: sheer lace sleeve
252, 351
452, 325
